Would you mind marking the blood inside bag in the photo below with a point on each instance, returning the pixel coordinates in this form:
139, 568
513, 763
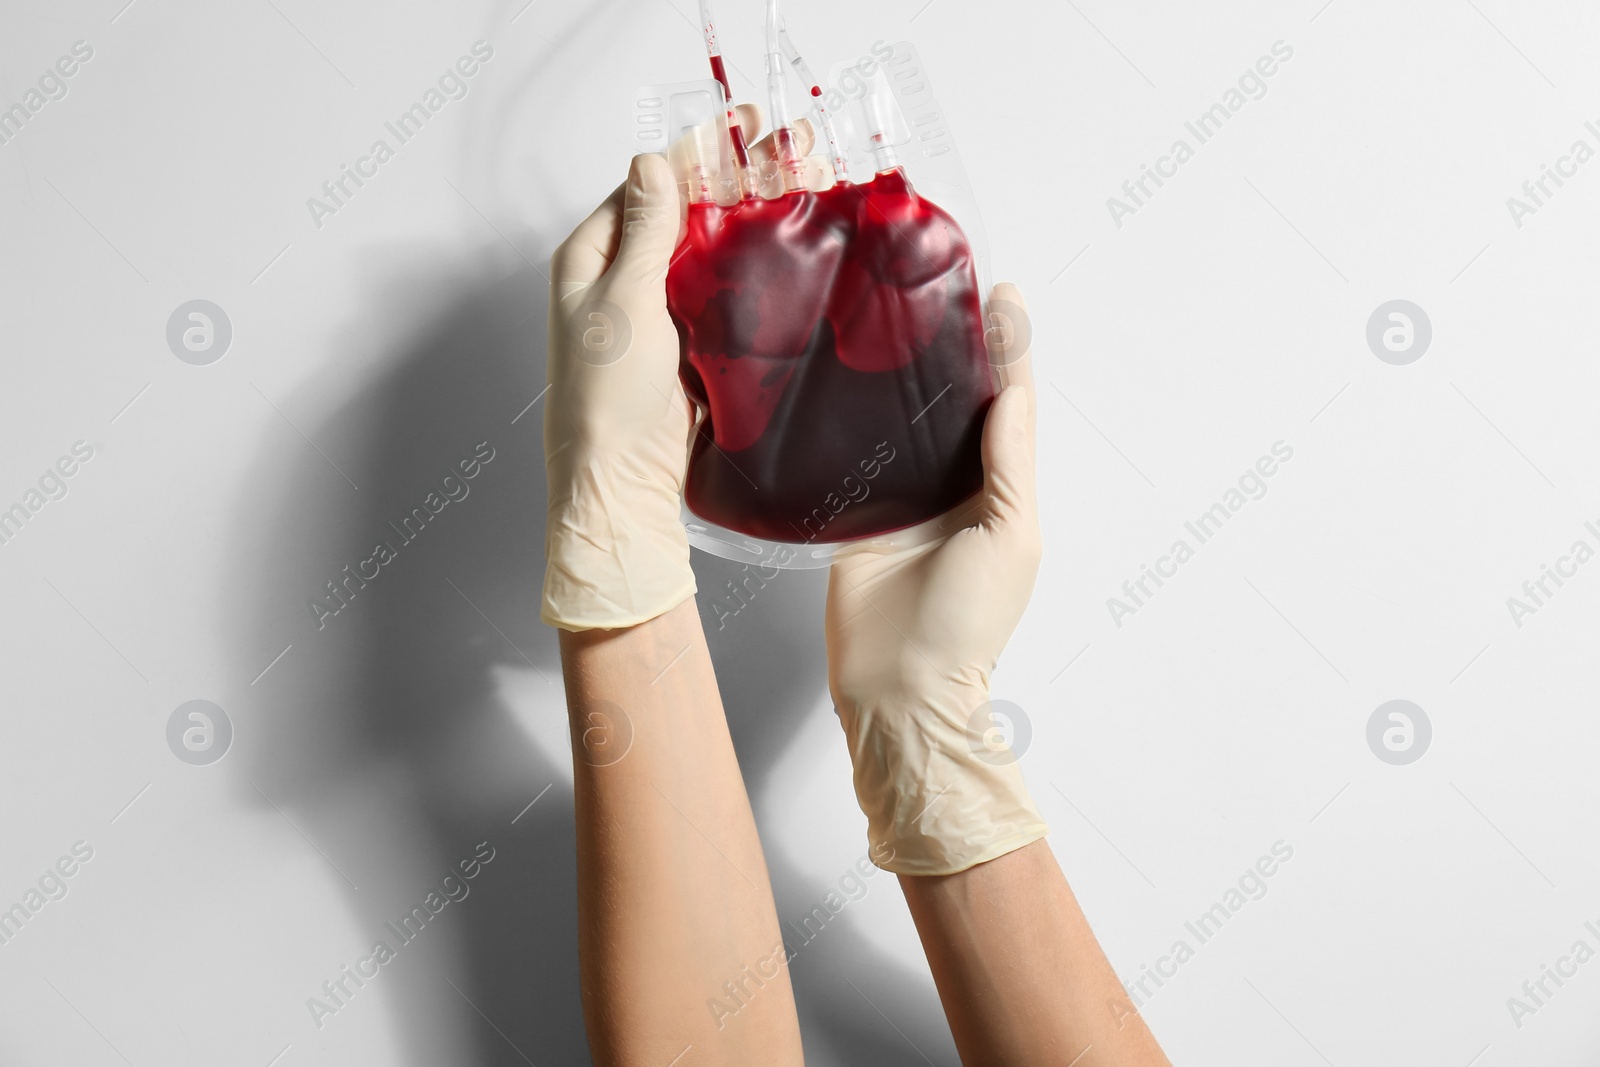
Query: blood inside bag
835, 340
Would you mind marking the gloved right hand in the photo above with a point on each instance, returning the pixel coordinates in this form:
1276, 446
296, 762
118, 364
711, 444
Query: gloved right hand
913, 633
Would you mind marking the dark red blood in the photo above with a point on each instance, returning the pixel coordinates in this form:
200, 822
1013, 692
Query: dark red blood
741, 149
824, 332
720, 72
893, 283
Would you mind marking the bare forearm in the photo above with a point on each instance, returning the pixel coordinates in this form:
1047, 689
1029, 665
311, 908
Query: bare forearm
673, 896
1021, 976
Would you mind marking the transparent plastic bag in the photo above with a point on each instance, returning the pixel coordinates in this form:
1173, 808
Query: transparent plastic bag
834, 338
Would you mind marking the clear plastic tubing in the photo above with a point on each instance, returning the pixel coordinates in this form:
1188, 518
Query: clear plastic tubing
840, 167
880, 127
719, 70
789, 161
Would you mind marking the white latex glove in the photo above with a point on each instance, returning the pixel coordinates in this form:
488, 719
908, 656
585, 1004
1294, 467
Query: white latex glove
913, 633
617, 424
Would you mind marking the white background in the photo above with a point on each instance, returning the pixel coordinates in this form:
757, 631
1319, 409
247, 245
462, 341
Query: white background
1169, 753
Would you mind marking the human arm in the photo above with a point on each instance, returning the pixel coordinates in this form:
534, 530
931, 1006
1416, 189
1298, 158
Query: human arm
913, 634
675, 907
678, 941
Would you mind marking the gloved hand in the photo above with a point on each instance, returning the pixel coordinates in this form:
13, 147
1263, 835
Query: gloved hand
913, 633
617, 425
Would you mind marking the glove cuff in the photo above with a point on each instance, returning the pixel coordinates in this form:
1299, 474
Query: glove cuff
616, 552
938, 795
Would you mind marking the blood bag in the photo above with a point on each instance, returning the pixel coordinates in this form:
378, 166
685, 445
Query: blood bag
833, 337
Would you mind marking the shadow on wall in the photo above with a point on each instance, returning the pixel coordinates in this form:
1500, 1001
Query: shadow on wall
771, 666
391, 736
423, 717
382, 734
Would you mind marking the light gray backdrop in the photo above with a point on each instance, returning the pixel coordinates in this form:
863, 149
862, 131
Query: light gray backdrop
1179, 337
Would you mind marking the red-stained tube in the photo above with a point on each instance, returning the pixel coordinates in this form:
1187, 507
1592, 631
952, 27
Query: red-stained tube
719, 70
840, 167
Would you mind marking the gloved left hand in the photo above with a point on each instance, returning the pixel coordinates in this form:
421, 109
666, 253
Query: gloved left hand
617, 423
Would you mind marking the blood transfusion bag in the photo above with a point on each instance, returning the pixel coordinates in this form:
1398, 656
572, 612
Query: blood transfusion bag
836, 341
834, 338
